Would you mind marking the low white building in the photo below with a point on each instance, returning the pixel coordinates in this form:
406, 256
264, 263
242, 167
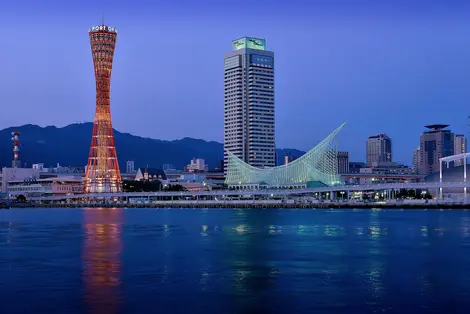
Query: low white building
45, 187
150, 174
15, 174
386, 173
38, 166
197, 165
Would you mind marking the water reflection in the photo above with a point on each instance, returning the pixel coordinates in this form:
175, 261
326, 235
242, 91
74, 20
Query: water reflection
424, 231
253, 271
465, 227
374, 271
102, 259
204, 230
250, 261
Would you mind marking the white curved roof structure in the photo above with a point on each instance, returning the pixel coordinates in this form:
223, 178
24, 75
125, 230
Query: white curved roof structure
317, 165
455, 157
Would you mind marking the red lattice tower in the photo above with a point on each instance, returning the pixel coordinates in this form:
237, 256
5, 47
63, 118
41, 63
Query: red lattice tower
102, 173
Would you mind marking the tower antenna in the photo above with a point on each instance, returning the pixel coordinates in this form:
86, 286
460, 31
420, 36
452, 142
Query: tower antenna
102, 18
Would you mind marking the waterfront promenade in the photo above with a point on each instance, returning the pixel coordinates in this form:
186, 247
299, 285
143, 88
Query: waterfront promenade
321, 192
323, 197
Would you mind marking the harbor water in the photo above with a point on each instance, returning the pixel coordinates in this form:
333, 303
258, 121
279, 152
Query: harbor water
234, 261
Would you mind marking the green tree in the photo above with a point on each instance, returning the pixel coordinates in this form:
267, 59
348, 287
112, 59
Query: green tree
141, 186
402, 193
175, 188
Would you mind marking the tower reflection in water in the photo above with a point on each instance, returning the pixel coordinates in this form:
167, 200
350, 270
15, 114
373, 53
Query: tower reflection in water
102, 259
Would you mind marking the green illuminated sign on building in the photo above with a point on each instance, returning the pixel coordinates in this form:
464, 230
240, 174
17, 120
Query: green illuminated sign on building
250, 43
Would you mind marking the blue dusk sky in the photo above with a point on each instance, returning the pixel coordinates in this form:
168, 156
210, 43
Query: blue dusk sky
383, 66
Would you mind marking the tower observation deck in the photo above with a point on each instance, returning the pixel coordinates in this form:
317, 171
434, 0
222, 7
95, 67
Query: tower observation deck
102, 173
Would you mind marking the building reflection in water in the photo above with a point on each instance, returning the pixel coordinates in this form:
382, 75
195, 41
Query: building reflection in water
254, 273
102, 259
374, 275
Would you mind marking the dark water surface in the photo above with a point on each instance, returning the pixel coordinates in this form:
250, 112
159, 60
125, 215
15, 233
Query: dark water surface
234, 261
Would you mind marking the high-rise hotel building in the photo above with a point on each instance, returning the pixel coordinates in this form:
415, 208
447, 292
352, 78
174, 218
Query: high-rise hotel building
249, 103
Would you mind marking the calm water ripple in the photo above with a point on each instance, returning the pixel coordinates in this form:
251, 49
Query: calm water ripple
234, 261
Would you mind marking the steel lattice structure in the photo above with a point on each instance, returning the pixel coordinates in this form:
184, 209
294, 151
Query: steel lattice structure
102, 173
317, 165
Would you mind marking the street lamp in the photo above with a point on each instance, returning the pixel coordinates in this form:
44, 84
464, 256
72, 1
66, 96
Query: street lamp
342, 195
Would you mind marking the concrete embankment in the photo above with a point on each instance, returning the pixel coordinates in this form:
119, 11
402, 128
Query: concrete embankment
264, 205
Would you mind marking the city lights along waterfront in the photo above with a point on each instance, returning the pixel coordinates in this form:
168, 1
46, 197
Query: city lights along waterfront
248, 172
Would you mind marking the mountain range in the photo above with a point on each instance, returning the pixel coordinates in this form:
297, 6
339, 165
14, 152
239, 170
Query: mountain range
69, 146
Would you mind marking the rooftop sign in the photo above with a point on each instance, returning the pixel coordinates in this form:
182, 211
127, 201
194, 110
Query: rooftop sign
250, 43
102, 28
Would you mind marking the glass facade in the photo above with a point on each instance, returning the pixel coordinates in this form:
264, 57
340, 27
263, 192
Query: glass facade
262, 61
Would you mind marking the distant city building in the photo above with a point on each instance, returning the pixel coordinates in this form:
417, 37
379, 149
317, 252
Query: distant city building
460, 147
390, 168
172, 174
356, 166
288, 158
434, 144
150, 174
40, 167
168, 167
197, 181
59, 169
416, 160
130, 166
249, 103
378, 149
197, 165
390, 173
343, 162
